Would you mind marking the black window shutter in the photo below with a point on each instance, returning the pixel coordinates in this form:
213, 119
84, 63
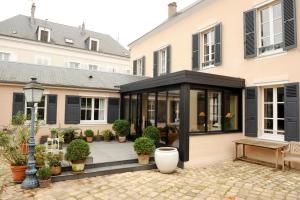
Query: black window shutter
289, 24
18, 103
113, 112
51, 108
196, 52
218, 44
291, 112
168, 59
155, 63
251, 112
134, 67
72, 110
250, 34
144, 65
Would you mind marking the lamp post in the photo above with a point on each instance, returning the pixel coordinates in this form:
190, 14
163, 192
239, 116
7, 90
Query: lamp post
33, 94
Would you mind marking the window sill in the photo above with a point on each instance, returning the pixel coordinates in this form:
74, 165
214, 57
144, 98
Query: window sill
271, 53
207, 67
93, 122
278, 138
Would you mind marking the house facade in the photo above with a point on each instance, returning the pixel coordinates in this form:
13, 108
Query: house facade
241, 80
26, 39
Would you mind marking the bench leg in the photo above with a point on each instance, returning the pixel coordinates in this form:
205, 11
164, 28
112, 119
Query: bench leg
289, 164
282, 165
277, 152
236, 151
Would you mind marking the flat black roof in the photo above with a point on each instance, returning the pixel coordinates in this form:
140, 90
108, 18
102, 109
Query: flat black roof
185, 76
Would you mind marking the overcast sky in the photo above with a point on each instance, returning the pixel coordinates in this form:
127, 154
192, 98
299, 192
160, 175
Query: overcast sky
130, 19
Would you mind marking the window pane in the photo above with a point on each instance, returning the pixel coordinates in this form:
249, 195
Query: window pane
101, 104
197, 111
280, 110
42, 103
214, 111
82, 115
280, 94
205, 38
280, 125
268, 123
40, 114
83, 102
278, 39
265, 16
268, 95
265, 30
278, 26
96, 103
28, 111
268, 110
96, 115
89, 103
277, 11
88, 115
265, 42
101, 115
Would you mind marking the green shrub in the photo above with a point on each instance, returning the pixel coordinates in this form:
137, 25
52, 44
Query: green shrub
68, 135
77, 150
40, 154
44, 173
54, 163
121, 127
153, 133
144, 146
18, 119
89, 133
107, 134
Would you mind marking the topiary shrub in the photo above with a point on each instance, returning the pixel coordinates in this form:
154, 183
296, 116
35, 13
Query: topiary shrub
144, 146
77, 150
107, 134
44, 173
121, 127
153, 133
89, 133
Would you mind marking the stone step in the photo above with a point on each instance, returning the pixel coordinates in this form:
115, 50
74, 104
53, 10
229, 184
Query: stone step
103, 170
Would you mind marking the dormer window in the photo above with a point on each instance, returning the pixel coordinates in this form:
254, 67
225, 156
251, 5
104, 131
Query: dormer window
44, 34
94, 44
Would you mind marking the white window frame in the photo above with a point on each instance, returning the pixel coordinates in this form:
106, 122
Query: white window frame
90, 44
36, 110
271, 27
211, 45
104, 120
44, 29
139, 67
5, 56
93, 67
162, 61
43, 58
274, 135
74, 67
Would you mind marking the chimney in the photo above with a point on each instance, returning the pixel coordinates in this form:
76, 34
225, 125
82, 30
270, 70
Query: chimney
172, 8
32, 20
83, 29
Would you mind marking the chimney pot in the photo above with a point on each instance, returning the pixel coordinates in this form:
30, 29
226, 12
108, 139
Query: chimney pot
32, 20
83, 28
172, 9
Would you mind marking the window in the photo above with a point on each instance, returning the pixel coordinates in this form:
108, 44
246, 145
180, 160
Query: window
93, 67
74, 65
271, 28
92, 109
214, 111
208, 49
151, 111
274, 110
139, 67
40, 60
39, 112
44, 34
4, 56
94, 44
162, 66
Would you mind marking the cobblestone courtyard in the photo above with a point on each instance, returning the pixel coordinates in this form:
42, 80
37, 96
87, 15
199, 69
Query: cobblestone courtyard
227, 180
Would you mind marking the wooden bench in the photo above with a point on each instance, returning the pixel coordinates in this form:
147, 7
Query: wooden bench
291, 154
266, 144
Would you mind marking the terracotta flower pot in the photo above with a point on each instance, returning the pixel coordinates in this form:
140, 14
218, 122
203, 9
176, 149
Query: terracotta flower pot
78, 166
122, 139
55, 170
44, 183
24, 148
18, 173
143, 159
89, 139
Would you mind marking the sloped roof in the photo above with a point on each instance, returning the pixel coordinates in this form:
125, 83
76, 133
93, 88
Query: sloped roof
20, 26
12, 72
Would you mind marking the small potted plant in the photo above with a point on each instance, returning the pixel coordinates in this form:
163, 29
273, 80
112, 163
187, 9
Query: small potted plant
40, 155
55, 166
61, 142
77, 152
153, 133
107, 134
54, 132
144, 146
89, 134
23, 140
68, 134
122, 129
98, 136
44, 177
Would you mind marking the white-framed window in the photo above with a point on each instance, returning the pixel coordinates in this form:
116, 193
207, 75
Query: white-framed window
151, 111
139, 67
4, 56
40, 111
93, 67
162, 64
44, 34
92, 109
74, 65
273, 111
208, 57
94, 44
270, 26
42, 60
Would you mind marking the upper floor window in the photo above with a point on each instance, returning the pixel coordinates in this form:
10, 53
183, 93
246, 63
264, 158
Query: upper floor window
208, 48
74, 65
41, 60
4, 56
94, 44
93, 67
92, 109
139, 67
44, 34
162, 64
271, 28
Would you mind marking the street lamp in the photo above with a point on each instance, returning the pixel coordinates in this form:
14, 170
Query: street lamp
33, 94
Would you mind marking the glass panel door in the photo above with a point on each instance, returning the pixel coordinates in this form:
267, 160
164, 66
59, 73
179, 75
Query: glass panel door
214, 122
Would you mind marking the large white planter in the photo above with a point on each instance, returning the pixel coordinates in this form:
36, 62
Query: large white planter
166, 159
